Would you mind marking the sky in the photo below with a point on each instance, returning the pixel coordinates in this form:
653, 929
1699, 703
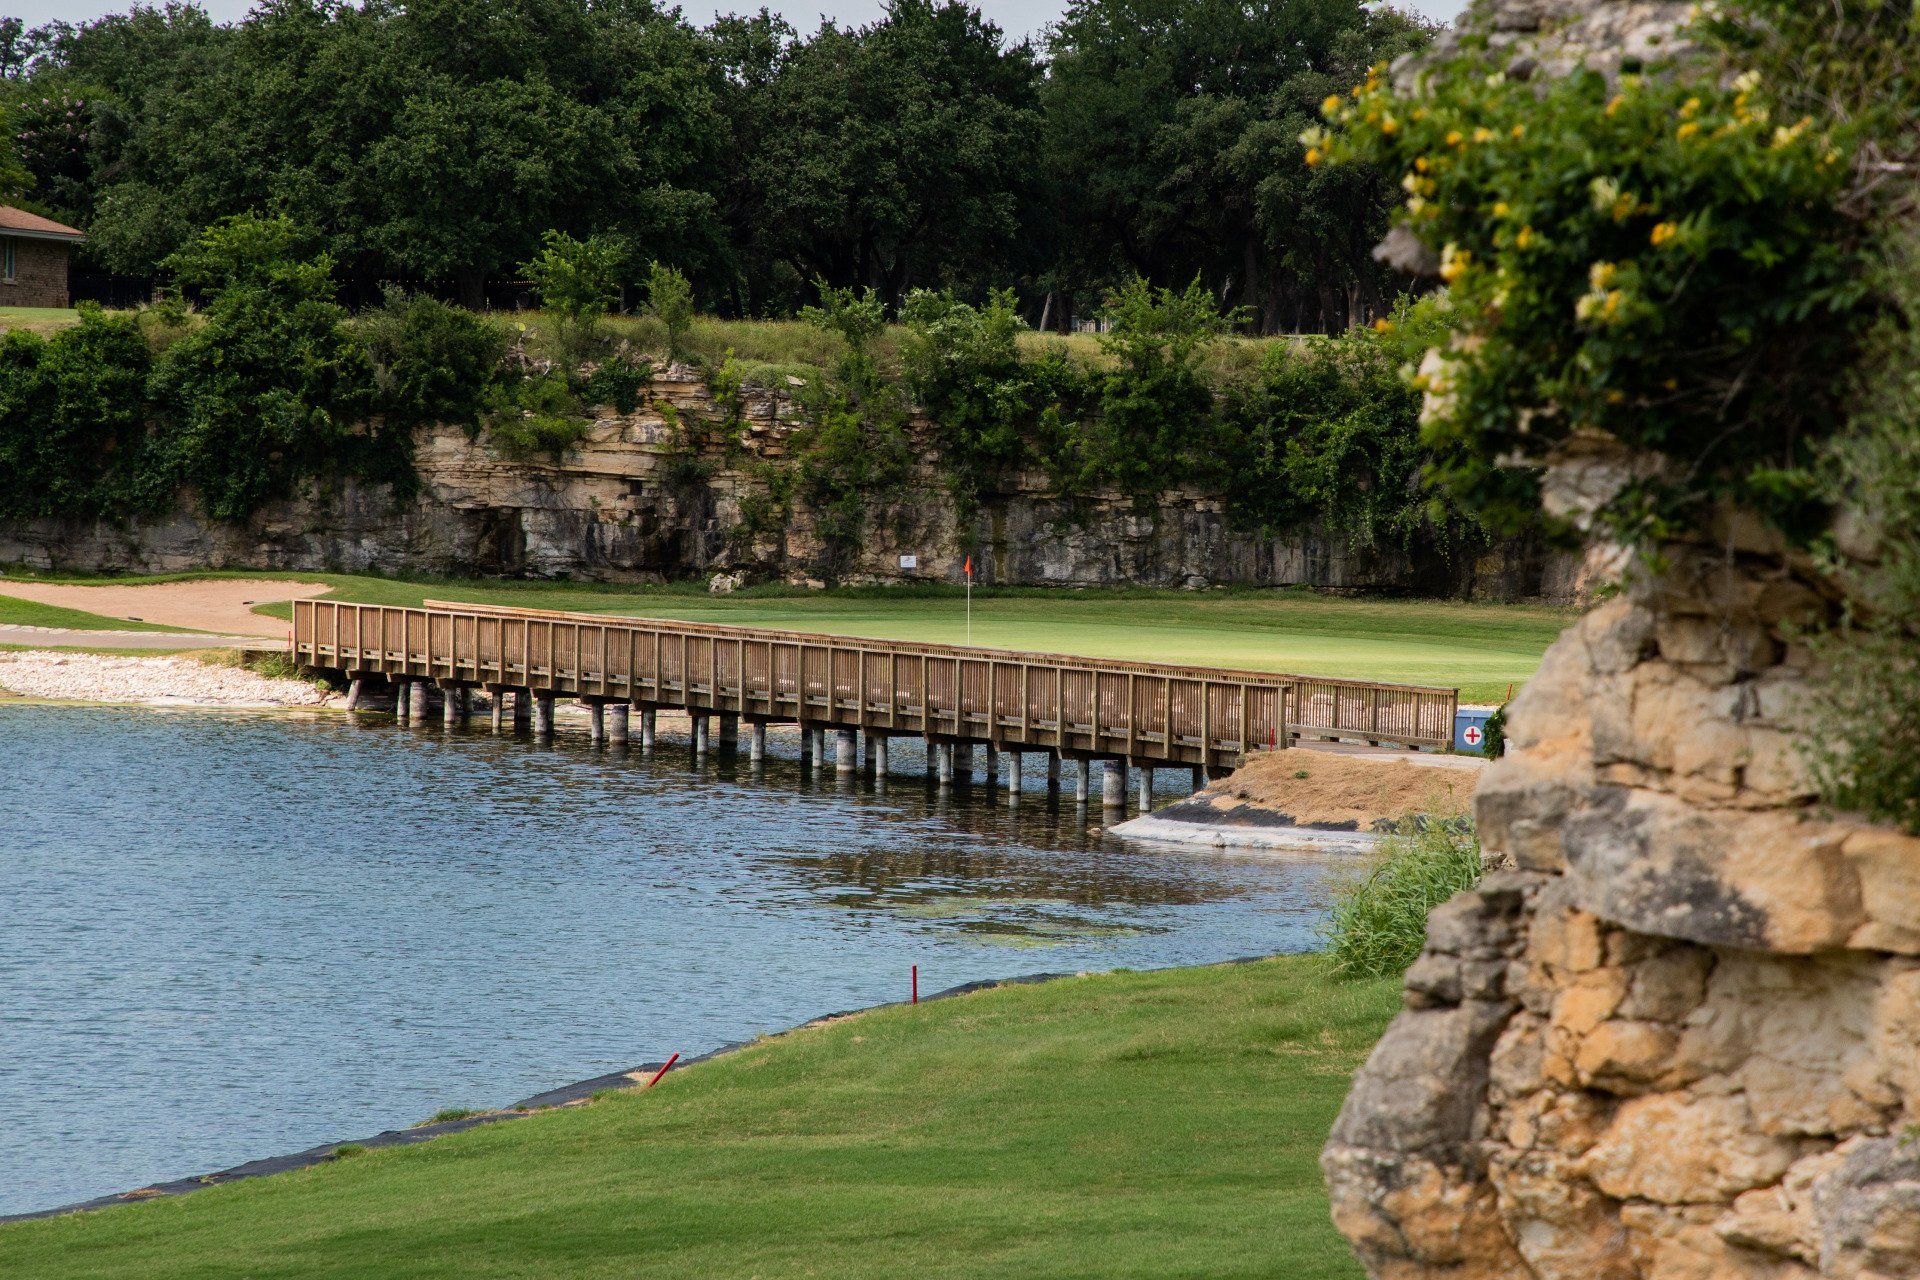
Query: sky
1016, 17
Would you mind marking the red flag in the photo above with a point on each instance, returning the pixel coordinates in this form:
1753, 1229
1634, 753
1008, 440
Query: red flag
969, 568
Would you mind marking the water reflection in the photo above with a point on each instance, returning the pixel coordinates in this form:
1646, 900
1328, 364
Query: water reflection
229, 936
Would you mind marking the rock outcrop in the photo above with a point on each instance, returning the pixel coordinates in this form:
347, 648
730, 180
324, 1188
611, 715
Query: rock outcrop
1675, 1034
636, 502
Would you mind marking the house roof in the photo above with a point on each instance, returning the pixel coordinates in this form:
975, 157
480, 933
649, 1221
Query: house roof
21, 223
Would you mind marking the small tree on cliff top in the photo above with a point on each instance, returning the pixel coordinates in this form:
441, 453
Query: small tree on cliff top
579, 281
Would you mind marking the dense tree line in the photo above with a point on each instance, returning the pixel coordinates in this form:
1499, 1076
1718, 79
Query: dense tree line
431, 143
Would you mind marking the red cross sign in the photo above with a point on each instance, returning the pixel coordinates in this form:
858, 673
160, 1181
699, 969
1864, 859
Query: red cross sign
1472, 735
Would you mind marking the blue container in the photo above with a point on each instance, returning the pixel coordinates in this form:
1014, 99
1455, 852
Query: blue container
1470, 732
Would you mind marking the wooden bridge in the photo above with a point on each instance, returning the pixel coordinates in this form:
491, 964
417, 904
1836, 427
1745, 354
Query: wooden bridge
1148, 714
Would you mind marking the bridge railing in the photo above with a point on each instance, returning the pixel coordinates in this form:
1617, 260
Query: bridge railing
1147, 711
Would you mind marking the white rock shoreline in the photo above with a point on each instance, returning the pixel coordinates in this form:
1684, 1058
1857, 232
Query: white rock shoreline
157, 681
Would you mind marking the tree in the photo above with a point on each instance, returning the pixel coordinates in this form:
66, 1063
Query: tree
579, 281
1172, 126
895, 155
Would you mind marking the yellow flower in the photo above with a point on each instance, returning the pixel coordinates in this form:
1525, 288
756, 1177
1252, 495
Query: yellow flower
1383, 325
1663, 233
1483, 134
1389, 126
1519, 131
1619, 100
1524, 239
1501, 208
1455, 137
1689, 107
1313, 156
1454, 262
1333, 103
1420, 163
1600, 275
1624, 205
1614, 299
1687, 130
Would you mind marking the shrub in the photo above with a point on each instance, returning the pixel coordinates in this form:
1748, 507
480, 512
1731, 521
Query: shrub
1330, 432
1379, 924
431, 362
618, 381
73, 417
1664, 260
989, 402
536, 416
1156, 409
271, 387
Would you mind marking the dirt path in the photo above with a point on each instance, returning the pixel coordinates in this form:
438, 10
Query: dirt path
224, 605
158, 641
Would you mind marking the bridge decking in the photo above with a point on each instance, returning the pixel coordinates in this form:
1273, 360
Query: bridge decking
1149, 713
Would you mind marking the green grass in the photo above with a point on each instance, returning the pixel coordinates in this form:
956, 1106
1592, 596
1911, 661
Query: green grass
40, 320
28, 613
767, 350
1126, 1125
1481, 648
1379, 923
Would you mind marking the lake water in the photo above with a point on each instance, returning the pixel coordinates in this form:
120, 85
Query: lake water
230, 936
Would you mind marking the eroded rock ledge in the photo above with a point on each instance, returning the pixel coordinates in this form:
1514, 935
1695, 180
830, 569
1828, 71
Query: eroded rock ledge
1677, 1034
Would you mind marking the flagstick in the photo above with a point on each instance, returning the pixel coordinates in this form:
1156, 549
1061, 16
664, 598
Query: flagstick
969, 609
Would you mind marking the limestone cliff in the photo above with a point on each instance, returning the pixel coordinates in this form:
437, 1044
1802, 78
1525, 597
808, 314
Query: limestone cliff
1676, 1034
636, 502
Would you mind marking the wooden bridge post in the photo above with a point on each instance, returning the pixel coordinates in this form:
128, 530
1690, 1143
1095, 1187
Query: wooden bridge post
647, 718
729, 732
1014, 760
1053, 772
757, 742
942, 762
542, 715
596, 722
619, 723
993, 766
1146, 788
846, 753
417, 700
701, 723
1113, 783
877, 754
1082, 779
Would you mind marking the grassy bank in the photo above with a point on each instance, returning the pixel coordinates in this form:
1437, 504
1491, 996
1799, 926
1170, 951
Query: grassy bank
15, 612
1481, 648
1160, 1124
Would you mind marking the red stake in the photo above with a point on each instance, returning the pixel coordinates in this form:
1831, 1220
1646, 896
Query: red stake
664, 1068
916, 984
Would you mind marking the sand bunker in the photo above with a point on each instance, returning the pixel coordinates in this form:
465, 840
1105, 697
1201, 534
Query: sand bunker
223, 605
1323, 788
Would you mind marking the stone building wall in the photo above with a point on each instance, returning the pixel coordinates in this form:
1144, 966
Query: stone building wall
39, 274
1675, 1034
627, 506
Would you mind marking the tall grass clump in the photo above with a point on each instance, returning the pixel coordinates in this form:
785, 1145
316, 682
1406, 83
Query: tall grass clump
1380, 923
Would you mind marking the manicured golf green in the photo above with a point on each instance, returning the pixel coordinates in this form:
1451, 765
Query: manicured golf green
1123, 1125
